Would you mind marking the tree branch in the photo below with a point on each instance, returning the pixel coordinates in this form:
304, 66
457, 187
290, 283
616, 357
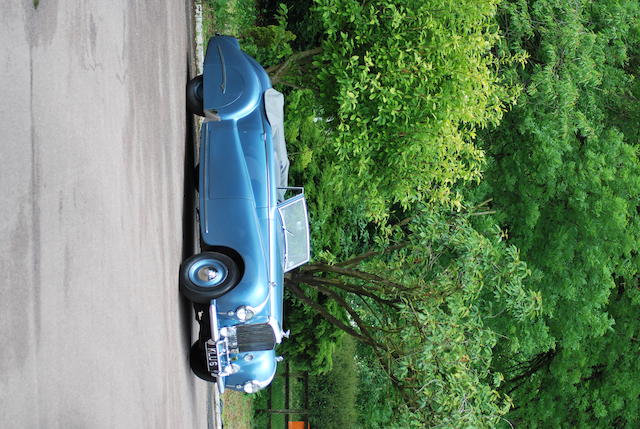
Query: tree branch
326, 315
487, 212
358, 274
364, 329
357, 259
356, 290
277, 70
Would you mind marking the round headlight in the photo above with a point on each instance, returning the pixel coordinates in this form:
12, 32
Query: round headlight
231, 369
250, 387
244, 313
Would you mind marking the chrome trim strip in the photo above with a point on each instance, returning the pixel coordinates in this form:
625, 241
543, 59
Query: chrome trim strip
276, 329
270, 207
215, 335
292, 188
204, 162
213, 320
223, 85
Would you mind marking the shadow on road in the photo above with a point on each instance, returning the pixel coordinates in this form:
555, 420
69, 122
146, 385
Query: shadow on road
188, 221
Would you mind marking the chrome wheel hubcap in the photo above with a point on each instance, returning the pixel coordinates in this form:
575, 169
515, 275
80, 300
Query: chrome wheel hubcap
208, 272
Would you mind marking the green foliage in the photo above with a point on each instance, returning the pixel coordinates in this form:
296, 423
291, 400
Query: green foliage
393, 126
333, 394
304, 23
376, 410
270, 44
405, 85
593, 386
232, 17
391, 122
388, 122
565, 178
339, 224
313, 339
420, 305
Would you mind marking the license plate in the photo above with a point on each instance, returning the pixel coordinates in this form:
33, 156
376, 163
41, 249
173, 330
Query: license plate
211, 350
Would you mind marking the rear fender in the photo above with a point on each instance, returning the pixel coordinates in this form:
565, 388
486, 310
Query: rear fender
232, 88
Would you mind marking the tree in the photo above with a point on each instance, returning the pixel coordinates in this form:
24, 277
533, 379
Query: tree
565, 183
402, 109
419, 303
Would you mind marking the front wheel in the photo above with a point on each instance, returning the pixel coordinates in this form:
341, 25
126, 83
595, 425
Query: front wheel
195, 97
207, 276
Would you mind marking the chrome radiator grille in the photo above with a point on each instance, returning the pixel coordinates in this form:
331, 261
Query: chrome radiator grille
255, 337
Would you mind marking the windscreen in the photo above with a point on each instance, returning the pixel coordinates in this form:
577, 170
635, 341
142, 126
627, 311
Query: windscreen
296, 231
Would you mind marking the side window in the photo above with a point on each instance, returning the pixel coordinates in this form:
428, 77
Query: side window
295, 225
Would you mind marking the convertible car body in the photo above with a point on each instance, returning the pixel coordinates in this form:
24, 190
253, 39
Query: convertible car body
250, 235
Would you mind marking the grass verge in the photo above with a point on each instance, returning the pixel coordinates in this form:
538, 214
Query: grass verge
237, 412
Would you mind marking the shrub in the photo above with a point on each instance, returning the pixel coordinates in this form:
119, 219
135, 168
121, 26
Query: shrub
270, 44
313, 339
407, 84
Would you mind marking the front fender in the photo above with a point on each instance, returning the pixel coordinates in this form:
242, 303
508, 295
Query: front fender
233, 223
262, 369
228, 213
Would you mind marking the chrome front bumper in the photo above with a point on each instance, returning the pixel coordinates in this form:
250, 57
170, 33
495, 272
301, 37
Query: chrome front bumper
216, 350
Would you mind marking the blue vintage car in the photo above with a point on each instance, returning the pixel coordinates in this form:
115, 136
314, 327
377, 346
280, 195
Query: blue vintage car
250, 235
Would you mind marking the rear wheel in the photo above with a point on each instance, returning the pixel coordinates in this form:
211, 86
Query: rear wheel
207, 276
195, 97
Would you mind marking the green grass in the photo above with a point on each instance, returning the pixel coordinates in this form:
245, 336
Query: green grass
276, 390
238, 410
332, 396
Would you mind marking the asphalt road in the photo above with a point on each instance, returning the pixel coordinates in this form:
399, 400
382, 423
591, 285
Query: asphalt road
93, 138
